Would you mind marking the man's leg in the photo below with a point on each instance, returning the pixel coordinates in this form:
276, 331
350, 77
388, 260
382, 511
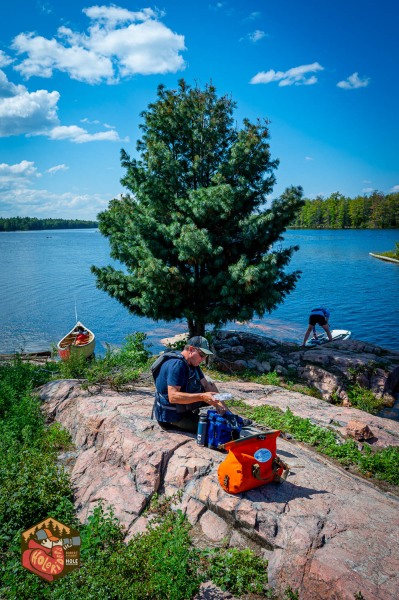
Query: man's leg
188, 423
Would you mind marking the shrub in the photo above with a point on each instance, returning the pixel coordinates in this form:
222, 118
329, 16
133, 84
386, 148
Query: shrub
364, 399
237, 571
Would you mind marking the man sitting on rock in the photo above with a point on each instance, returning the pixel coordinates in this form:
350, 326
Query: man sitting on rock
182, 388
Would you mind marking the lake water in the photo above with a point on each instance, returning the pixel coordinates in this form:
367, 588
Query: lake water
45, 273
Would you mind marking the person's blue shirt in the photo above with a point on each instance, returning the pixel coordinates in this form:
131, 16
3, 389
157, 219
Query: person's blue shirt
176, 372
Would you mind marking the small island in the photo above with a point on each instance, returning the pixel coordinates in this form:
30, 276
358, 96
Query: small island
390, 256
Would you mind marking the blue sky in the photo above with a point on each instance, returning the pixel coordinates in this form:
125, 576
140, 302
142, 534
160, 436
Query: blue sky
75, 76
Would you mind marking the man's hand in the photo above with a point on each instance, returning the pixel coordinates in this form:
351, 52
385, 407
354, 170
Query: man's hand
209, 398
221, 409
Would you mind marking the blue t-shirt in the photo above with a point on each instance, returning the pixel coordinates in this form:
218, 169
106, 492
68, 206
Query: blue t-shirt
176, 372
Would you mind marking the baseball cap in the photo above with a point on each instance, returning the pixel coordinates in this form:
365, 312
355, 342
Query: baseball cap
201, 343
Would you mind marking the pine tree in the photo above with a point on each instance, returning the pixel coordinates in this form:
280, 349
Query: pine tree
194, 233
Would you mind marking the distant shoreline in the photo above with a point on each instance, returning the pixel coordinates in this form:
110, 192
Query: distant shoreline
34, 224
290, 227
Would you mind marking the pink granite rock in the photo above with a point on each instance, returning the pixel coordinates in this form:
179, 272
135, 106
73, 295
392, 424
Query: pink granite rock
330, 367
359, 431
328, 533
213, 527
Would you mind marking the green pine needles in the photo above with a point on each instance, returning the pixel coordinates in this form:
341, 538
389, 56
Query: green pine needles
193, 232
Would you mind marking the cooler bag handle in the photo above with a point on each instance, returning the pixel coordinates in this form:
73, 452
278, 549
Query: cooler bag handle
277, 465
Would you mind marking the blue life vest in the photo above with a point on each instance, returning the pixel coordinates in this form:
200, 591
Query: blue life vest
163, 410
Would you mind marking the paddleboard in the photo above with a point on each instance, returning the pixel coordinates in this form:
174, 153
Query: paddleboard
337, 334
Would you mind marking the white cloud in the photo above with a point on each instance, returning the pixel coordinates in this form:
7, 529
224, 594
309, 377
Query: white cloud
294, 76
110, 16
252, 16
80, 136
394, 189
13, 177
45, 56
9, 89
5, 60
86, 120
45, 7
56, 169
35, 113
255, 36
23, 112
41, 202
353, 82
308, 158
118, 43
18, 196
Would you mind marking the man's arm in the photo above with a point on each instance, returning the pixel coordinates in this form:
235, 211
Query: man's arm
177, 397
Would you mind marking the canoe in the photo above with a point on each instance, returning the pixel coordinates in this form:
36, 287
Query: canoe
337, 334
66, 345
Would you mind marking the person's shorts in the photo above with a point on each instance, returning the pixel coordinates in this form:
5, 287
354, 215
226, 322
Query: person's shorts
188, 423
317, 320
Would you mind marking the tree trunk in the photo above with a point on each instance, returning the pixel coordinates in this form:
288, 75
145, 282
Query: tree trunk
195, 328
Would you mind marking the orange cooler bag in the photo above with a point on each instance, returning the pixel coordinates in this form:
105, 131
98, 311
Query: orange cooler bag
251, 462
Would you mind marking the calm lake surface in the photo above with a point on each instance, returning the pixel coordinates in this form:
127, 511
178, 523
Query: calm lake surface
44, 273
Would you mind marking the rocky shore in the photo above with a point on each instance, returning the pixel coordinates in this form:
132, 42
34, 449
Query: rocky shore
326, 532
330, 368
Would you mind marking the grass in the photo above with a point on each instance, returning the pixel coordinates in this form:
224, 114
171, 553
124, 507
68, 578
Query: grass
382, 464
159, 564
116, 369
292, 383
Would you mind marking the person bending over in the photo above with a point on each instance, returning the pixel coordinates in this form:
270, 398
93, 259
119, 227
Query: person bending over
318, 316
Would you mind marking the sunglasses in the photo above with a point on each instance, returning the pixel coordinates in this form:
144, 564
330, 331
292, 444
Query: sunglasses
202, 354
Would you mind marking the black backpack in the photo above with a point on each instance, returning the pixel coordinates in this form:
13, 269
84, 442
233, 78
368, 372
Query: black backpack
157, 364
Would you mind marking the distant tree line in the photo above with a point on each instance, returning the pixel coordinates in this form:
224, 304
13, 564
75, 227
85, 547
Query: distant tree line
32, 224
375, 211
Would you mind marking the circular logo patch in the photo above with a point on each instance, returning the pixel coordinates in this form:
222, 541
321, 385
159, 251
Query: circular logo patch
263, 455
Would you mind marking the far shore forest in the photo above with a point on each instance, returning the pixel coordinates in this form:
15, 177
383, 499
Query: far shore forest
34, 224
374, 211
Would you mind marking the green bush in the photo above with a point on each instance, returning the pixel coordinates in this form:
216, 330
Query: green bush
237, 571
32, 485
364, 399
